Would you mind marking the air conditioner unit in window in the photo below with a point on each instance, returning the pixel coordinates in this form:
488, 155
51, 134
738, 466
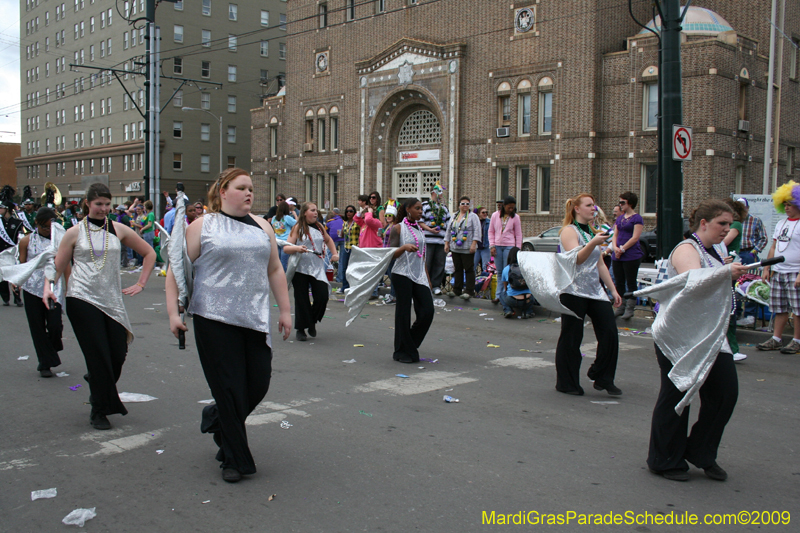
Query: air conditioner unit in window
503, 132
744, 125
308, 147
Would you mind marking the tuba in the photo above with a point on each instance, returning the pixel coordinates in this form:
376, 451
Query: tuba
51, 195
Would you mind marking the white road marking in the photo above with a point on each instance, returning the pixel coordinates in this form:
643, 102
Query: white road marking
126, 443
258, 420
416, 384
524, 363
16, 463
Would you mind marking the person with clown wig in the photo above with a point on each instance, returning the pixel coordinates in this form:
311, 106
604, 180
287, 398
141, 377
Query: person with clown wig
784, 278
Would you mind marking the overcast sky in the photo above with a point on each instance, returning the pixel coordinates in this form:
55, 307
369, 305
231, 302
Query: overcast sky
9, 71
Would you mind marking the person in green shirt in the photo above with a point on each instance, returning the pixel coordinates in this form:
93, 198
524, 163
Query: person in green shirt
733, 241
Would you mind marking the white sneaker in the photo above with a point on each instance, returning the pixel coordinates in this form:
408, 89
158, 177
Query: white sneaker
437, 291
746, 321
737, 357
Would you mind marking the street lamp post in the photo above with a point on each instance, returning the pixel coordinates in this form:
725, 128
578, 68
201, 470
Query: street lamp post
219, 119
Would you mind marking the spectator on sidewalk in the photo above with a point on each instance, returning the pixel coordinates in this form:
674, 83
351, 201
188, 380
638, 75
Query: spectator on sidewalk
435, 217
754, 240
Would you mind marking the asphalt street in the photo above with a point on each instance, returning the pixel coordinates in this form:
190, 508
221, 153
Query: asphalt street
367, 450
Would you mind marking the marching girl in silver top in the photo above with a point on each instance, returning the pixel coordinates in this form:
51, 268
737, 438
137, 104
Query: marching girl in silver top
45, 324
410, 277
309, 238
94, 297
585, 296
236, 268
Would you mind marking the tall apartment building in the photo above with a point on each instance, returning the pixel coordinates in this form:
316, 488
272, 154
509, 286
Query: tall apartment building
540, 99
79, 125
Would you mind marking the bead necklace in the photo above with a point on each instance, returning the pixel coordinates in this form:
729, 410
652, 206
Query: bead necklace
414, 234
504, 220
104, 251
583, 234
459, 228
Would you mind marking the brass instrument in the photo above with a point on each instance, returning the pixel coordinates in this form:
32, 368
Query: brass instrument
50, 188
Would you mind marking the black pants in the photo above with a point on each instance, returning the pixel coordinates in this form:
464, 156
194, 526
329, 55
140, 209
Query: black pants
670, 447
46, 327
568, 350
5, 293
464, 263
306, 314
625, 275
407, 337
435, 260
104, 343
237, 363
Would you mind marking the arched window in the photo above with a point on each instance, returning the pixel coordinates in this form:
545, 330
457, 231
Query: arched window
421, 127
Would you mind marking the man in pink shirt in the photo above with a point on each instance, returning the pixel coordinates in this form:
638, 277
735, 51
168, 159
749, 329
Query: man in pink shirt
505, 232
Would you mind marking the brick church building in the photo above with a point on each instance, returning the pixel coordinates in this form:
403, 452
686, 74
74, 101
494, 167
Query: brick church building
540, 99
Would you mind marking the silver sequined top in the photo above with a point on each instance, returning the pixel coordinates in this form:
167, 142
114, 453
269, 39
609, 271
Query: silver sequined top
587, 275
409, 264
310, 263
230, 275
95, 282
35, 284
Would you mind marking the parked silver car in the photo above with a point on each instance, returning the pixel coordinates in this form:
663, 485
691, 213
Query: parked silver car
546, 241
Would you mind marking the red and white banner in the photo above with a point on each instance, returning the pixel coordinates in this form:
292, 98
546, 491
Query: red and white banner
420, 155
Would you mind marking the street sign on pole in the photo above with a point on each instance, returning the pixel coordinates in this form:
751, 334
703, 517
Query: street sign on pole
681, 143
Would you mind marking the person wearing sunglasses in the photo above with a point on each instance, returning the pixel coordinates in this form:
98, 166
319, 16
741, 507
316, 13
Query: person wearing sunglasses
462, 236
628, 252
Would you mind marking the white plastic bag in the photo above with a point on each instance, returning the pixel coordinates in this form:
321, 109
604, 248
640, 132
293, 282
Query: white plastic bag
78, 517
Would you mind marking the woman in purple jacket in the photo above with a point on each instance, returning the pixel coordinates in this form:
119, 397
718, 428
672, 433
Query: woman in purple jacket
628, 253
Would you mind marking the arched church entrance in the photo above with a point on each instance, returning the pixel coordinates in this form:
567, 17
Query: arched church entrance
417, 155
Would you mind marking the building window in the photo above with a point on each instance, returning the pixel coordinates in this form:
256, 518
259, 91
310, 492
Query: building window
309, 131
334, 133
743, 101
502, 182
177, 100
323, 15
351, 10
737, 183
231, 134
380, 6
178, 5
207, 8
205, 132
523, 188
177, 65
232, 73
232, 43
205, 100
231, 103
321, 134
543, 190
309, 186
265, 19
790, 160
649, 188
545, 113
177, 130
205, 163
264, 49
282, 18
320, 190
125, 160
794, 60
273, 142
125, 41
504, 111
650, 111
177, 161
177, 33
233, 12
205, 69
231, 161
420, 128
333, 179
282, 51
525, 114
205, 38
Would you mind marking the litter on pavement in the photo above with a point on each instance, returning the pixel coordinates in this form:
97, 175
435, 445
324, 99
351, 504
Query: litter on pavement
47, 493
78, 517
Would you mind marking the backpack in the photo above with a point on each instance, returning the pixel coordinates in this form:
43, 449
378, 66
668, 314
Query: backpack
515, 278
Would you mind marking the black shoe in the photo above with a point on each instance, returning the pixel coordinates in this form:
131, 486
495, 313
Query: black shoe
86, 377
301, 335
100, 421
672, 475
46, 373
612, 389
231, 475
716, 472
312, 330
407, 361
6, 304
572, 392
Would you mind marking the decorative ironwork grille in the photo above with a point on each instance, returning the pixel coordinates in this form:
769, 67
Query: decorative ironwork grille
420, 128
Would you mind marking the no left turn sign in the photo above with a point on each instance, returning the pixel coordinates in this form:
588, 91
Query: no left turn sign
681, 143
